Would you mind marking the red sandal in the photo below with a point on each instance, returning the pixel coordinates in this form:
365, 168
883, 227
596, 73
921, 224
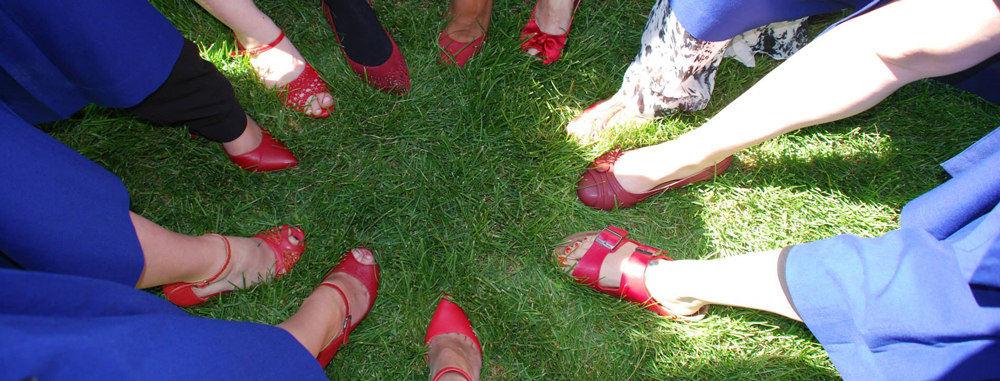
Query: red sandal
270, 155
600, 189
632, 286
296, 93
286, 255
369, 276
550, 47
449, 318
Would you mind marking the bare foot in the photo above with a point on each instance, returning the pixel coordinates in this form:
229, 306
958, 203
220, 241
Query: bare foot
454, 350
252, 262
248, 141
593, 123
553, 17
471, 19
575, 246
281, 65
321, 318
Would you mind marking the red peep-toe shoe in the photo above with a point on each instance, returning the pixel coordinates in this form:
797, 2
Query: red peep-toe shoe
391, 76
549, 46
270, 155
449, 318
369, 276
297, 92
286, 255
600, 189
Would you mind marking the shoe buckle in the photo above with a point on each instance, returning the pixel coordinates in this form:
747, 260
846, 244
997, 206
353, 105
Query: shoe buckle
347, 323
607, 244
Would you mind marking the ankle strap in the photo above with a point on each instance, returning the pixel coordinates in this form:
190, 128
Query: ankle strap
451, 369
345, 330
257, 50
229, 257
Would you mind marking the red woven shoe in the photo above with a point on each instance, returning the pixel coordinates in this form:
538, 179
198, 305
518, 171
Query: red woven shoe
449, 318
549, 47
369, 276
391, 76
601, 190
286, 255
296, 93
270, 155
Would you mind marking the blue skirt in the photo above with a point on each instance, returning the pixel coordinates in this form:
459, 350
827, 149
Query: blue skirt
921, 302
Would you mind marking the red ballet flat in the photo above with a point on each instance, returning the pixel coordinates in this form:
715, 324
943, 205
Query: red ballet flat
270, 155
458, 53
369, 276
286, 255
600, 189
296, 93
391, 76
449, 318
550, 47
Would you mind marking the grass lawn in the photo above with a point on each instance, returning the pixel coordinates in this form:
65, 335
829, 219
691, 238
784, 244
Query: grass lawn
465, 184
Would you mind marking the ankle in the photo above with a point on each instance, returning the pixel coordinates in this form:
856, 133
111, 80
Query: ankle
248, 141
218, 248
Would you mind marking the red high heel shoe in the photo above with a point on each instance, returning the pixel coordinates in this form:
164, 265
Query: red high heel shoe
270, 155
286, 255
449, 318
549, 46
369, 276
391, 76
297, 92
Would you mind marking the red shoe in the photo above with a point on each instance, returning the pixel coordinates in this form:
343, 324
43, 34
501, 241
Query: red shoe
449, 318
549, 47
369, 276
270, 155
458, 53
286, 255
601, 190
632, 286
392, 76
297, 92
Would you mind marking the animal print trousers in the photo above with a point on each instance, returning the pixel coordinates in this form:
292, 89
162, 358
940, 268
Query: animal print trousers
676, 72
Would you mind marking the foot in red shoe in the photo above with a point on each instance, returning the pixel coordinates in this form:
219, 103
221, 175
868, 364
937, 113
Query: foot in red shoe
464, 36
257, 151
454, 353
248, 261
280, 65
370, 50
545, 35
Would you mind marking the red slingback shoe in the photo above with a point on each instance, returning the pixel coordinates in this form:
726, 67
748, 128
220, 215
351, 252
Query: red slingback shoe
369, 276
296, 93
449, 318
286, 255
391, 76
549, 46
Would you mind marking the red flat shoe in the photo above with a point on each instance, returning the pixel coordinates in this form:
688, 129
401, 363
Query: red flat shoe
369, 276
296, 93
449, 318
549, 47
632, 286
458, 53
601, 190
270, 155
286, 255
392, 76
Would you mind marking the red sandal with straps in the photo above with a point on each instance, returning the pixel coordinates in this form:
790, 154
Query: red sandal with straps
550, 47
449, 318
632, 286
296, 93
286, 255
369, 276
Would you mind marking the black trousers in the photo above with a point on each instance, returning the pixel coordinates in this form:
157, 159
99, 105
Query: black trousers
196, 94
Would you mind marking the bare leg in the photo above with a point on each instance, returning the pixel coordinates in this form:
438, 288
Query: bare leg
840, 74
754, 281
471, 19
253, 28
173, 257
321, 317
553, 17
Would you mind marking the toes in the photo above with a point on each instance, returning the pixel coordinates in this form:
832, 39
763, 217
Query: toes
573, 248
363, 255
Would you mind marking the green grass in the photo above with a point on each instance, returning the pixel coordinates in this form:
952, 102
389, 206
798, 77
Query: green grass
465, 184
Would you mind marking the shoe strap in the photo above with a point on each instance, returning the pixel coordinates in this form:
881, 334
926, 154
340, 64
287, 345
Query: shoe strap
346, 329
451, 369
229, 257
588, 269
257, 50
